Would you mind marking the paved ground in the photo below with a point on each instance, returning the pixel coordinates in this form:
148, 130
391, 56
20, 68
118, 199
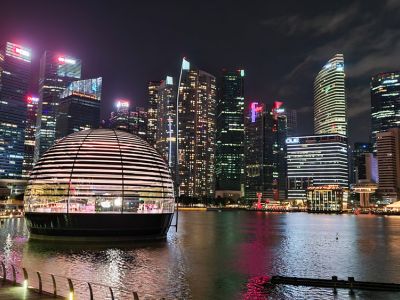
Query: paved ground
10, 292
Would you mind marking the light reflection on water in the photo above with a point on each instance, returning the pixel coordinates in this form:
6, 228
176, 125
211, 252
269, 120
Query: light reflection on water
219, 255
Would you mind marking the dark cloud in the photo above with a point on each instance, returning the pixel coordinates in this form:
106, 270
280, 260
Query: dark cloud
369, 38
281, 44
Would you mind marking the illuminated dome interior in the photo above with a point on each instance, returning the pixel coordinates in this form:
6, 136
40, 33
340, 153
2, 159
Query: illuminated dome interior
100, 171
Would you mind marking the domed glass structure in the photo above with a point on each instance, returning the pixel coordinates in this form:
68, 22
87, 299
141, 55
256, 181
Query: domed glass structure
98, 172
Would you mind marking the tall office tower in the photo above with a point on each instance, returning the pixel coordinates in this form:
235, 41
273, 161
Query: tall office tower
254, 151
278, 132
360, 158
30, 132
79, 107
291, 119
55, 74
138, 125
166, 123
230, 134
129, 120
119, 118
317, 160
388, 153
330, 98
385, 103
152, 112
15, 68
265, 152
196, 132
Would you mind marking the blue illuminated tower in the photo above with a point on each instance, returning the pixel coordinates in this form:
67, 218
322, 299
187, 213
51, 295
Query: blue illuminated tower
15, 68
57, 71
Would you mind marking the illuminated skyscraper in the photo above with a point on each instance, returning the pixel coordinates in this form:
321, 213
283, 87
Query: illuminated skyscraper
388, 153
166, 129
56, 73
360, 156
30, 132
15, 68
119, 118
385, 103
330, 99
317, 160
196, 105
79, 107
152, 114
265, 151
130, 120
230, 133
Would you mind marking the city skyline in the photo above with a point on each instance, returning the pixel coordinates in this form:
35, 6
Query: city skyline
275, 71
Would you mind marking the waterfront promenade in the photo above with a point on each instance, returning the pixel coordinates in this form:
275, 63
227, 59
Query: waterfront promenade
18, 292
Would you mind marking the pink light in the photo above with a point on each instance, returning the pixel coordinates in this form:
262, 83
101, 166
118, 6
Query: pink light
32, 99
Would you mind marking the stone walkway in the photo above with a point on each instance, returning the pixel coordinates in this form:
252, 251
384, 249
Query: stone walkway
11, 292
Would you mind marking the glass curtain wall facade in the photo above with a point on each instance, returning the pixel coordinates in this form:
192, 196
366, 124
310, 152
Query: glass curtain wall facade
265, 151
385, 103
166, 123
55, 74
230, 132
30, 132
330, 99
79, 107
100, 171
316, 160
197, 104
15, 71
152, 112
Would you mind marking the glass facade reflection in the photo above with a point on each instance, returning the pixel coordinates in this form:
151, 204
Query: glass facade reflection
100, 171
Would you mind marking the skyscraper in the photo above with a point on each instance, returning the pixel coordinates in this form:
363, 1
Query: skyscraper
385, 103
119, 118
230, 133
15, 68
152, 112
196, 131
360, 156
166, 123
56, 73
129, 120
79, 107
388, 153
30, 132
265, 151
330, 98
317, 160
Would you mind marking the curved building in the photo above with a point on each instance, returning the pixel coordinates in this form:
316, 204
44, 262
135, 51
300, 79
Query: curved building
100, 183
330, 99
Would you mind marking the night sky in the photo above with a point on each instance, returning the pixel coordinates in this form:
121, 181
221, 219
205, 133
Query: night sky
281, 44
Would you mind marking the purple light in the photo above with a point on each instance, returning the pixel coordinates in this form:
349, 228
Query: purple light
253, 106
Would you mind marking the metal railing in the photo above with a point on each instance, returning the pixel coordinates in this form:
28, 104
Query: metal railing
61, 286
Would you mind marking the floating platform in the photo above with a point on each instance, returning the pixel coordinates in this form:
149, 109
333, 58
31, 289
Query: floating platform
98, 227
334, 283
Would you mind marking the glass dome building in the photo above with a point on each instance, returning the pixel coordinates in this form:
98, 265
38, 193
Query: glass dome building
100, 182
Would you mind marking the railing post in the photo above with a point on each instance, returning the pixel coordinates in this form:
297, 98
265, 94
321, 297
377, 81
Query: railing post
4, 271
71, 289
90, 291
334, 279
351, 281
25, 277
40, 282
112, 294
54, 285
14, 275
135, 296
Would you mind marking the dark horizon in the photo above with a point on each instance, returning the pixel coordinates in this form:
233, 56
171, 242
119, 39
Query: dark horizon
281, 46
